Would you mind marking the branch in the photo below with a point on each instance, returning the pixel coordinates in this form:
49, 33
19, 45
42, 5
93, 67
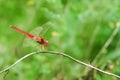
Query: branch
63, 54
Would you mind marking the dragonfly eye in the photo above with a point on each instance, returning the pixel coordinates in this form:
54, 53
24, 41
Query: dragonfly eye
46, 43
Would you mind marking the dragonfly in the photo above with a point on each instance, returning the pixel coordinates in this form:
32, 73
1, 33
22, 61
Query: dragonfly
39, 39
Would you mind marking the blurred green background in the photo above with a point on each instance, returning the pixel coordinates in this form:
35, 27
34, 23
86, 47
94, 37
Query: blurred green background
79, 28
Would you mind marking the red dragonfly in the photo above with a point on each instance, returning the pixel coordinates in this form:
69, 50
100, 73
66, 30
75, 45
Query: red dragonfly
39, 39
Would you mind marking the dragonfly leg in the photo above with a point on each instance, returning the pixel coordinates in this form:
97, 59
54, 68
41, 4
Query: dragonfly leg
43, 48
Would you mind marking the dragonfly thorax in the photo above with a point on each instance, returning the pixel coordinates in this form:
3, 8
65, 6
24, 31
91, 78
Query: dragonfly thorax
39, 39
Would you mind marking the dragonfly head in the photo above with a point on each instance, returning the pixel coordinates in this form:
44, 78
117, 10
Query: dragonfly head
46, 43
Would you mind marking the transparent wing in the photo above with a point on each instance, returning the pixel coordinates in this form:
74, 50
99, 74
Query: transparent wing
38, 31
28, 42
45, 29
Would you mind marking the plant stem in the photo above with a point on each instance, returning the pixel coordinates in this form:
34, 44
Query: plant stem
63, 54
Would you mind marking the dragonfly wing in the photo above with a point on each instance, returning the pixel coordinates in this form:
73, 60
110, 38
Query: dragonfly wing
29, 42
38, 31
26, 42
45, 27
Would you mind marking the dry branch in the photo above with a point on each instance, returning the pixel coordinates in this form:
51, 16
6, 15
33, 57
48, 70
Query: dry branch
63, 54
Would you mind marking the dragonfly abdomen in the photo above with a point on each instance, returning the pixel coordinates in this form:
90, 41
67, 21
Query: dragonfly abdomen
23, 32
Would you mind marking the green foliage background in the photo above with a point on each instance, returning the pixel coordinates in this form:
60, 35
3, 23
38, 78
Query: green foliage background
79, 28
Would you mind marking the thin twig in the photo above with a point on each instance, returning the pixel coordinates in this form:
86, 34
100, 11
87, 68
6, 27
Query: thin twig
63, 54
93, 36
107, 43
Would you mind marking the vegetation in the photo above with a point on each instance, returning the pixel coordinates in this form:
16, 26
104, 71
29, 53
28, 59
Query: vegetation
80, 28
